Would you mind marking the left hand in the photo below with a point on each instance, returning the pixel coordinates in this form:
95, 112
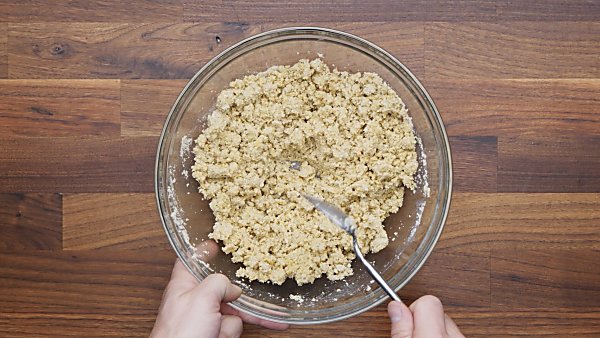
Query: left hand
191, 309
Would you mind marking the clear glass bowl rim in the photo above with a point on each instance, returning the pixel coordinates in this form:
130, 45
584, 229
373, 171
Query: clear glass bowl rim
244, 305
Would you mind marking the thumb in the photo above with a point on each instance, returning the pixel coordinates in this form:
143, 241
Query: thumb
402, 320
217, 288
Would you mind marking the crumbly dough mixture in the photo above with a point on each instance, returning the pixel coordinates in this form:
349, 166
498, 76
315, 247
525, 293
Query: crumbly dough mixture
303, 129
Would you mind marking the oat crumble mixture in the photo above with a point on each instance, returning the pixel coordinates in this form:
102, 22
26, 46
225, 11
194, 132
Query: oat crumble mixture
303, 129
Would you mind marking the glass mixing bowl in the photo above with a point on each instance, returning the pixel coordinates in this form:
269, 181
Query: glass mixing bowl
188, 220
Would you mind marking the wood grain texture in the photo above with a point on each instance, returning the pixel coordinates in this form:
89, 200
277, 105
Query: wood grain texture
545, 278
34, 108
458, 279
512, 50
405, 40
516, 81
374, 319
482, 107
145, 105
475, 163
92, 282
461, 10
549, 10
480, 222
67, 293
88, 226
94, 10
552, 163
3, 50
340, 10
77, 164
562, 322
88, 287
36, 324
30, 222
473, 322
528, 322
117, 50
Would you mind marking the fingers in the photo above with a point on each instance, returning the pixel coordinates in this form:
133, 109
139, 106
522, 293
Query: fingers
428, 317
402, 320
181, 280
231, 327
206, 250
452, 328
226, 309
217, 288
181, 273
263, 322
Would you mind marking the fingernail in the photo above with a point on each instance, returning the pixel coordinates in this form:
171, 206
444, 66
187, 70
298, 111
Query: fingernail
395, 308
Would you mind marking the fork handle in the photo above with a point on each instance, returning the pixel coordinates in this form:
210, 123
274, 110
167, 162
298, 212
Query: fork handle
371, 270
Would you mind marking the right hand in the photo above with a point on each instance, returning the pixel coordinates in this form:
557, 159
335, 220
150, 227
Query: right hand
425, 318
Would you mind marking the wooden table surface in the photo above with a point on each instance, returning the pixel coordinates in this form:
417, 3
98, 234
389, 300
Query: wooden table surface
85, 87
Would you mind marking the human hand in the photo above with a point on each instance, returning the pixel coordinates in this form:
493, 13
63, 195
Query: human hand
199, 310
425, 318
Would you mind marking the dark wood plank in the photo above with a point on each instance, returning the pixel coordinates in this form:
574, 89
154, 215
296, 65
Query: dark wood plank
40, 324
473, 322
3, 50
480, 222
551, 322
94, 10
87, 225
549, 164
475, 163
84, 282
402, 39
374, 323
339, 10
461, 10
113, 50
145, 105
82, 291
481, 107
458, 279
549, 10
512, 50
101, 285
520, 100
30, 222
545, 278
77, 164
34, 108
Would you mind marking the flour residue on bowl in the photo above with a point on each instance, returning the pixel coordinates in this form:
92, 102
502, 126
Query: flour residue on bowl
184, 154
176, 212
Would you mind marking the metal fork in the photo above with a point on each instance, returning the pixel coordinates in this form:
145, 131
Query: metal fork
338, 217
